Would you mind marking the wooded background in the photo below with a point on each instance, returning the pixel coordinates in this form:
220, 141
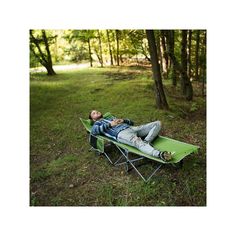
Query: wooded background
144, 75
176, 55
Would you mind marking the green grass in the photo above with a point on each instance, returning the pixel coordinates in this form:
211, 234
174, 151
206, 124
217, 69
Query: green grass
62, 170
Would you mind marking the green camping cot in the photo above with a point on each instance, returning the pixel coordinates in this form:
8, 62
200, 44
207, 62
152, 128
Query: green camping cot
179, 149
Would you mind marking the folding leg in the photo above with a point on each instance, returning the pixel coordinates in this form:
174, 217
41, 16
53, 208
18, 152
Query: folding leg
131, 162
128, 162
97, 145
98, 151
115, 163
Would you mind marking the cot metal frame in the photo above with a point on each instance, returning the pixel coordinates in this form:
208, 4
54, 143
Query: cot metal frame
131, 162
124, 159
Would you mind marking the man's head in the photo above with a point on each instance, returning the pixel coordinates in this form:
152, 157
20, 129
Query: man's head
95, 115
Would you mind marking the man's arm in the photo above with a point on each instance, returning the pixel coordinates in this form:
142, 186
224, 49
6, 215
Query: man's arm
119, 121
99, 128
128, 121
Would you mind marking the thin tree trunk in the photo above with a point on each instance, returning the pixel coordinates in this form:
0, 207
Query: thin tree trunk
49, 58
184, 61
121, 59
160, 95
170, 36
159, 51
204, 64
189, 53
186, 85
90, 53
197, 56
109, 46
100, 48
117, 48
136, 56
164, 54
145, 54
40, 59
189, 89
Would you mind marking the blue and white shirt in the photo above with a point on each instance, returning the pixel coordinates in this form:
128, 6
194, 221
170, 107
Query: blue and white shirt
103, 127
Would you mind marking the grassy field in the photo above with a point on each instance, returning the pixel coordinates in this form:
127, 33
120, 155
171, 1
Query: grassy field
62, 170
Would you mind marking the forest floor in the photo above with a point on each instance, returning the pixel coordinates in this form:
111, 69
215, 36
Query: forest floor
62, 170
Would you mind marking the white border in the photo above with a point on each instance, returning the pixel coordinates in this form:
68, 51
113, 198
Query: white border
17, 18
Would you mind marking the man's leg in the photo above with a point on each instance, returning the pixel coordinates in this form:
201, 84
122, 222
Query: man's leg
149, 131
129, 136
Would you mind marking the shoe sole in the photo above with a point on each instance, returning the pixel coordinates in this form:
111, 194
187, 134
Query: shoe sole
169, 156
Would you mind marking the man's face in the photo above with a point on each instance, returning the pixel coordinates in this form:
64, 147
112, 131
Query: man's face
95, 115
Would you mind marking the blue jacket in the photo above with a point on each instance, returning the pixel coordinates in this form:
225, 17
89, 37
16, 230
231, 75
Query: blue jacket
104, 127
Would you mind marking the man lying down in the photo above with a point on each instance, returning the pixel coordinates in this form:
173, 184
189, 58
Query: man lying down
123, 131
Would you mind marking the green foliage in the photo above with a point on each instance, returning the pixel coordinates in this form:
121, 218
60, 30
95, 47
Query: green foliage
72, 46
33, 60
194, 107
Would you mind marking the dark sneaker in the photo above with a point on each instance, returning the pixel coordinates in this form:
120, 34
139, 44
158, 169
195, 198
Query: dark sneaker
166, 156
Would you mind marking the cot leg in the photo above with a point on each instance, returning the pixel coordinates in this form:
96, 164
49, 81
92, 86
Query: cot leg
147, 178
108, 158
137, 171
158, 167
98, 153
130, 164
128, 167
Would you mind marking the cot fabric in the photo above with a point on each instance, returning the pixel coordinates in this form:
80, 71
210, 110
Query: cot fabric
180, 149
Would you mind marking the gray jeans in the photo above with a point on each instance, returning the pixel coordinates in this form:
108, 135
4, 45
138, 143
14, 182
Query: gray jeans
132, 136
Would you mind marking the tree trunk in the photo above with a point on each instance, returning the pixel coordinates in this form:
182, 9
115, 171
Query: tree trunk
109, 46
45, 60
188, 85
49, 58
170, 36
160, 95
189, 53
197, 56
100, 48
90, 53
50, 70
145, 54
159, 52
117, 48
204, 64
184, 61
164, 54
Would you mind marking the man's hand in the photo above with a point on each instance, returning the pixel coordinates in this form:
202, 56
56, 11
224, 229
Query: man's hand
116, 122
119, 121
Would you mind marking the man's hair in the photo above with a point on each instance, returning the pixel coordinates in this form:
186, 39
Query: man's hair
90, 117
